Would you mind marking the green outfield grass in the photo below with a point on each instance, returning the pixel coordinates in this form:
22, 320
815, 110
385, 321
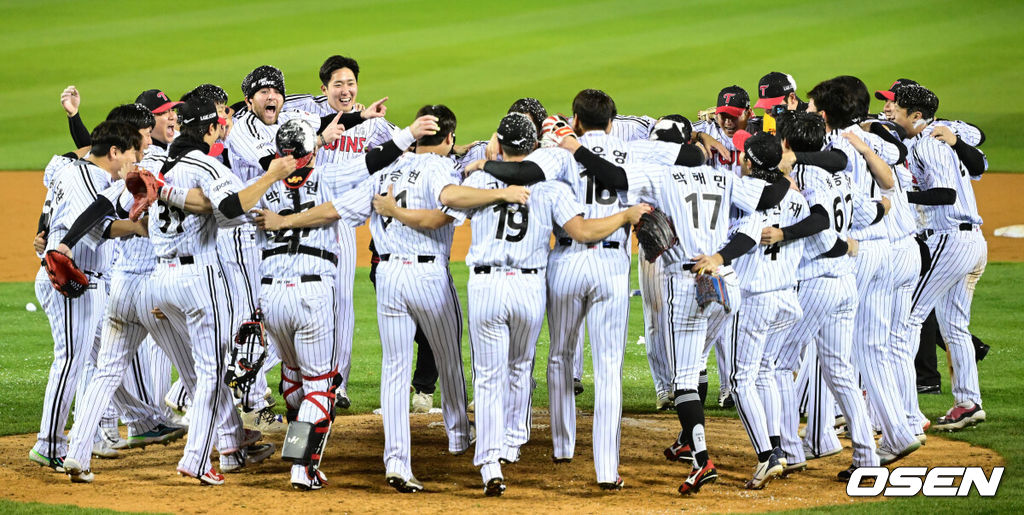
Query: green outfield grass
654, 57
26, 352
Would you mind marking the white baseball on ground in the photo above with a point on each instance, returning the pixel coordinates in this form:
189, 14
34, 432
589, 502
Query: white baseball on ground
30, 307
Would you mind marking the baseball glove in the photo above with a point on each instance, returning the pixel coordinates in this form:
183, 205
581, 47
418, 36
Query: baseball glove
656, 234
553, 130
248, 353
711, 288
144, 187
706, 115
65, 275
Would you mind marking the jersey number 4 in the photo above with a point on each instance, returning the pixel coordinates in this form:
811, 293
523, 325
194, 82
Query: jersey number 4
513, 220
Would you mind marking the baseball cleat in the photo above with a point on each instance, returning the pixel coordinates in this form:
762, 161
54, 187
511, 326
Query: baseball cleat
765, 472
811, 455
57, 464
614, 485
699, 477
679, 452
113, 438
471, 406
494, 487
577, 386
921, 437
561, 460
794, 467
845, 475
159, 434
303, 480
665, 401
421, 402
960, 416
75, 471
887, 456
980, 349
780, 455
725, 399
264, 420
929, 389
341, 400
253, 455
210, 478
102, 449
406, 486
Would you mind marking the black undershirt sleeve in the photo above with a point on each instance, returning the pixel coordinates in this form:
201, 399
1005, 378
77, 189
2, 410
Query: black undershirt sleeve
519, 173
79, 134
879, 130
832, 161
94, 214
604, 171
838, 249
816, 222
349, 120
932, 197
773, 194
739, 244
380, 157
43, 225
971, 157
231, 206
265, 161
690, 155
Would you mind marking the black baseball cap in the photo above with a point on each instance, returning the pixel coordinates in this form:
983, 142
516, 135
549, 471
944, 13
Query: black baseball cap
198, 110
516, 131
773, 88
890, 94
732, 101
156, 101
763, 149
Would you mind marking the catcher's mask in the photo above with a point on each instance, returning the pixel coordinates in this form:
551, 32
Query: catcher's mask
297, 139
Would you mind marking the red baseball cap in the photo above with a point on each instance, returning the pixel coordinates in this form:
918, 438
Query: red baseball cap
156, 101
733, 101
773, 88
890, 94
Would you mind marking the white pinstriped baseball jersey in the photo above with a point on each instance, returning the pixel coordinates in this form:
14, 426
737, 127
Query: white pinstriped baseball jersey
861, 179
418, 180
73, 186
773, 267
175, 232
935, 165
516, 235
967, 132
730, 162
698, 201
476, 151
830, 191
632, 128
901, 221
323, 184
355, 141
251, 140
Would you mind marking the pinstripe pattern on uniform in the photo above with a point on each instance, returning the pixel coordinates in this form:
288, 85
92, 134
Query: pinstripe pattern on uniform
730, 162
934, 164
904, 280
967, 132
768, 392
829, 305
632, 128
651, 277
832, 193
860, 176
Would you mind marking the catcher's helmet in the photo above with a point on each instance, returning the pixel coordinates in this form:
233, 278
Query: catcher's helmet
298, 139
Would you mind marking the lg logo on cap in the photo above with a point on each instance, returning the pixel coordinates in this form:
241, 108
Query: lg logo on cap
909, 481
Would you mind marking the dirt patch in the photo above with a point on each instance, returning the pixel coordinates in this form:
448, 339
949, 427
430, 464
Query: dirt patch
144, 480
23, 193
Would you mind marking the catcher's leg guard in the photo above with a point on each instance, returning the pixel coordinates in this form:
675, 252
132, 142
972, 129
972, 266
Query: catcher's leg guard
316, 413
291, 388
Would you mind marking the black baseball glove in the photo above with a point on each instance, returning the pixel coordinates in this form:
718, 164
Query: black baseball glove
656, 234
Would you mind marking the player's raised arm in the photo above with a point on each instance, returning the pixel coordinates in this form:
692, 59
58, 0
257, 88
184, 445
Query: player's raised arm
880, 170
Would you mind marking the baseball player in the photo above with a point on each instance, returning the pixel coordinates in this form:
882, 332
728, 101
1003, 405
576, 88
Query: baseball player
414, 286
190, 288
769, 305
957, 247
305, 270
509, 254
698, 200
73, 322
250, 149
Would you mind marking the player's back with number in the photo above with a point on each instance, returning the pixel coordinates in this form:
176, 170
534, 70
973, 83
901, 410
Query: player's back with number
773, 267
832, 191
176, 232
514, 235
